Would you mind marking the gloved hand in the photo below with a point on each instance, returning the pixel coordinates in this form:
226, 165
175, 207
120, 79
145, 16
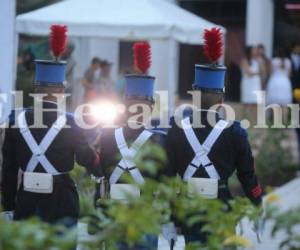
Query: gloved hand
169, 232
8, 215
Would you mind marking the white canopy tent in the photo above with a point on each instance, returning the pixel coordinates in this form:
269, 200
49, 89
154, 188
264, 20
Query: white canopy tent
97, 26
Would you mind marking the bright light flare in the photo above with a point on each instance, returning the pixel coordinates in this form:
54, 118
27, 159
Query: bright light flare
104, 112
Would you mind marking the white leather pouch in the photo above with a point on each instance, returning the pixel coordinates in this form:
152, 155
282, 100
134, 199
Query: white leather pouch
41, 183
206, 187
121, 192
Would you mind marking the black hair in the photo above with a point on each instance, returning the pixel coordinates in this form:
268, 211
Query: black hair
96, 60
261, 46
280, 53
248, 52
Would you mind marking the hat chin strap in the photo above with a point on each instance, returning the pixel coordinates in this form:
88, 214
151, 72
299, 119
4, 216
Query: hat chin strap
137, 97
208, 90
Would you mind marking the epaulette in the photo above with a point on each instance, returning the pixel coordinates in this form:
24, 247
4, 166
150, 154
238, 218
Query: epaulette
70, 114
12, 115
172, 121
237, 128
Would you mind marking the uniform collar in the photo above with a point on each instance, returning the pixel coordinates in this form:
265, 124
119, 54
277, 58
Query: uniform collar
49, 104
209, 112
205, 113
140, 124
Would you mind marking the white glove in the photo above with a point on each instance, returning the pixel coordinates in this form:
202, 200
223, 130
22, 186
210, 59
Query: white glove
169, 232
8, 215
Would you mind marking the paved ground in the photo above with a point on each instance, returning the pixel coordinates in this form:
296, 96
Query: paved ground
289, 198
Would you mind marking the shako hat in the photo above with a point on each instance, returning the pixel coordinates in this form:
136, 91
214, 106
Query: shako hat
211, 77
52, 72
140, 85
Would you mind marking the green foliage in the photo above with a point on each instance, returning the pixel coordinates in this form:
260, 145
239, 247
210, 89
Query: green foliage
129, 222
288, 223
35, 235
274, 160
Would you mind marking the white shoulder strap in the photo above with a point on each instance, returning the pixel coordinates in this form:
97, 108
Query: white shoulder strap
190, 135
128, 155
141, 140
202, 151
39, 150
214, 134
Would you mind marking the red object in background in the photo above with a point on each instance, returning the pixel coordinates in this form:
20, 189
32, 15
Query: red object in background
58, 39
213, 44
142, 56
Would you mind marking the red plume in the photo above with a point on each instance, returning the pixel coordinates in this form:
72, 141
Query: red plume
58, 39
142, 56
213, 44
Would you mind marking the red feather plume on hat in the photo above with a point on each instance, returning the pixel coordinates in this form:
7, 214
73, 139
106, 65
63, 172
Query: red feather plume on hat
213, 44
58, 39
142, 56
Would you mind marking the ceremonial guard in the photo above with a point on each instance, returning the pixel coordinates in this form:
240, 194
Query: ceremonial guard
45, 155
206, 155
120, 146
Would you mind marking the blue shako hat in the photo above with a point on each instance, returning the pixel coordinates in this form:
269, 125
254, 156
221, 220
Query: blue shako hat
49, 73
52, 72
211, 77
140, 86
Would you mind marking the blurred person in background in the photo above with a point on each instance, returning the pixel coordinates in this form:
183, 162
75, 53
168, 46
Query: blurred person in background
91, 79
279, 88
120, 83
28, 60
251, 80
264, 66
106, 84
233, 81
295, 59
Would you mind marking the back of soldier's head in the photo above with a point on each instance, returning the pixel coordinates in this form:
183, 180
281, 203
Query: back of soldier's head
210, 99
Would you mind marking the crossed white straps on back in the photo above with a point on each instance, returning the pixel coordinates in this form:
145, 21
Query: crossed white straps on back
38, 151
128, 155
201, 151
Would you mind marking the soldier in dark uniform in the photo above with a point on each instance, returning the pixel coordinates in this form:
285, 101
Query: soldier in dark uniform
120, 145
45, 156
206, 155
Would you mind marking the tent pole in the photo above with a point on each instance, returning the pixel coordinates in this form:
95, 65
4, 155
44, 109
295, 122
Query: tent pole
8, 52
173, 73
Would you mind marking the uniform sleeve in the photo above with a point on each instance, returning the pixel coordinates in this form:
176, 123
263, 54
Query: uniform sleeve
9, 172
85, 155
245, 166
